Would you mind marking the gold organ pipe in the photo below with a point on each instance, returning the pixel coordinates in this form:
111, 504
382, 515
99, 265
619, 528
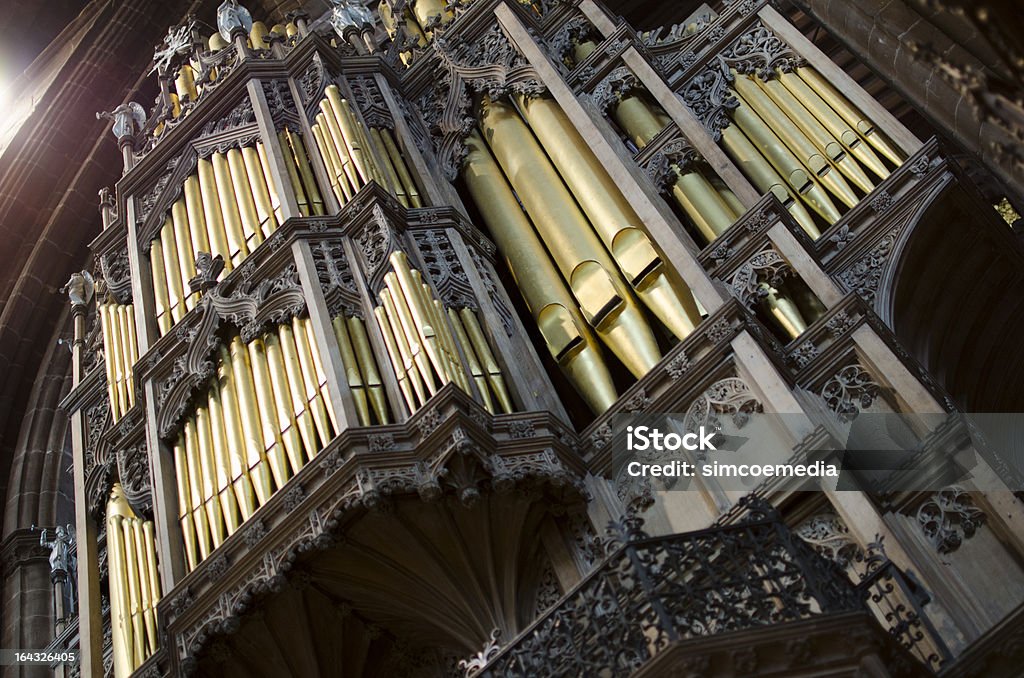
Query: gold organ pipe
816, 132
321, 375
364, 140
185, 84
427, 11
210, 196
474, 365
336, 140
440, 319
186, 255
604, 297
764, 176
293, 173
257, 34
291, 29
229, 209
249, 415
160, 297
146, 601
283, 401
297, 388
850, 114
195, 487
779, 155
336, 109
398, 160
238, 444
276, 211
195, 216
409, 367
408, 291
331, 160
397, 361
120, 615
208, 468
175, 291
368, 368
784, 311
616, 223
130, 350
185, 517
116, 355
314, 401
134, 592
352, 375
265, 399
241, 186
566, 334
483, 351
306, 172
149, 543
834, 123
260, 188
108, 359
412, 338
391, 173
794, 138
221, 450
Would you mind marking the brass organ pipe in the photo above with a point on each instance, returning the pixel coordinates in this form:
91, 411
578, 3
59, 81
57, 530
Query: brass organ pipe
306, 172
208, 467
175, 290
779, 155
276, 211
398, 160
108, 359
297, 388
291, 163
195, 487
149, 534
134, 592
314, 401
423, 324
794, 138
211, 210
188, 526
409, 367
129, 350
850, 114
376, 173
816, 132
195, 215
474, 364
412, 339
389, 169
604, 297
349, 134
160, 296
764, 176
238, 451
352, 375
148, 616
283, 401
336, 140
566, 334
229, 209
249, 416
834, 123
483, 350
368, 367
241, 186
120, 622
440, 316
784, 311
222, 452
265, 400
260, 188
427, 11
186, 254
116, 354
329, 153
320, 374
616, 223
397, 362
185, 84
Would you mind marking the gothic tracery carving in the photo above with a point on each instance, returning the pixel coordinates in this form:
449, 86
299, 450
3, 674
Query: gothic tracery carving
850, 390
949, 517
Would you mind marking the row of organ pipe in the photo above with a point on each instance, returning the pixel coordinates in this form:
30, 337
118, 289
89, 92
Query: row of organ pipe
425, 353
120, 353
355, 155
267, 413
134, 584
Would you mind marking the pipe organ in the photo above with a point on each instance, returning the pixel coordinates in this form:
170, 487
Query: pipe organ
330, 235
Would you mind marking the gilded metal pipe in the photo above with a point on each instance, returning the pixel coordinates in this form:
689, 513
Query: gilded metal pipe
398, 160
222, 454
238, 451
149, 535
186, 254
306, 172
195, 488
352, 376
291, 163
314, 401
394, 183
431, 11
364, 143
257, 34
320, 375
850, 114
276, 210
409, 296
296, 386
148, 613
329, 153
260, 188
410, 368
565, 332
108, 359
194, 211
473, 363
784, 311
336, 109
796, 140
185, 84
215, 228
117, 353
613, 218
208, 468
483, 350
265, 399
241, 187
185, 516
397, 363
765, 178
368, 368
449, 351
229, 209
702, 203
130, 352
336, 139
175, 290
162, 303
834, 123
406, 325
816, 132
249, 416
120, 614
604, 297
787, 164
134, 592
283, 401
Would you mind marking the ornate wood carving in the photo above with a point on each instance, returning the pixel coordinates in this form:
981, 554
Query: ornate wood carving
851, 389
767, 266
949, 517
